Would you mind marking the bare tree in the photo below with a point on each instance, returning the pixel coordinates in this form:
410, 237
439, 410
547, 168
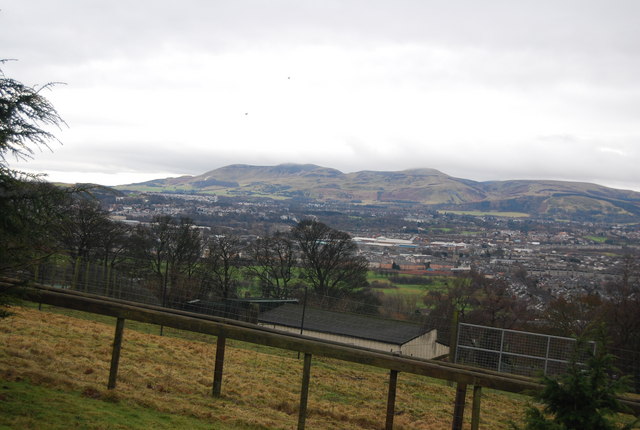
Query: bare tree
113, 243
84, 220
186, 249
476, 299
621, 310
330, 259
159, 252
458, 296
173, 250
222, 266
273, 259
496, 305
573, 316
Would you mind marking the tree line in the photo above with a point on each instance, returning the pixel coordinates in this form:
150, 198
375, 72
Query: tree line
178, 261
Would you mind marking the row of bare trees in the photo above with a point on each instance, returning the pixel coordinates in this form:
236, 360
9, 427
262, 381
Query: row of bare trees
616, 308
179, 261
490, 301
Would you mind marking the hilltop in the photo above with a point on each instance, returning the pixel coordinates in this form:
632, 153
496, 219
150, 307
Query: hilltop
430, 187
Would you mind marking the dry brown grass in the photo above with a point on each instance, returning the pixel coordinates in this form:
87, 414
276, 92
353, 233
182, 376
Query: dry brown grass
259, 388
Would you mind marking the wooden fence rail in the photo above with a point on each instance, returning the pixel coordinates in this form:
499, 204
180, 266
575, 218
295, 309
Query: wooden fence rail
231, 329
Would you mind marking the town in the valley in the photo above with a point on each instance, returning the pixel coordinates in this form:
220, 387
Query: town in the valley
540, 258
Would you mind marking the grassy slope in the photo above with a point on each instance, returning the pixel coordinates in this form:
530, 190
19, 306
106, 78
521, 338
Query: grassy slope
27, 406
168, 380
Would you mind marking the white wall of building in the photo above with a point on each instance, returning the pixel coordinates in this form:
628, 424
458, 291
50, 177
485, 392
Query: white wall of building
424, 346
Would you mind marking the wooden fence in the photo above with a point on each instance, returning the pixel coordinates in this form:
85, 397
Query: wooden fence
230, 329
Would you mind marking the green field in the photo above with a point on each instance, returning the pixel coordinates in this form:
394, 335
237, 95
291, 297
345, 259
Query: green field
597, 239
481, 213
441, 229
419, 291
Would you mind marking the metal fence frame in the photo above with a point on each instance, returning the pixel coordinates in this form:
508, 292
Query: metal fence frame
498, 349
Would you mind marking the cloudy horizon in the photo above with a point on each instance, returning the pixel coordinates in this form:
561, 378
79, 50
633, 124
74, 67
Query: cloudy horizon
490, 90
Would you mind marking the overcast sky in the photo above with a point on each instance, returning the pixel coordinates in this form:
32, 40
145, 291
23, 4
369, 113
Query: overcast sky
484, 90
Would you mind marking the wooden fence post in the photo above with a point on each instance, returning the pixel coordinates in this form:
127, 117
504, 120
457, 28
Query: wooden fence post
219, 366
304, 392
475, 410
458, 409
391, 399
115, 355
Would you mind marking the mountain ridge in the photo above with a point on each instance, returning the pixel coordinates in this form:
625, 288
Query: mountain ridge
424, 186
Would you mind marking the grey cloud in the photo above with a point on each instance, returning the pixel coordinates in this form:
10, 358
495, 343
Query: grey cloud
579, 58
112, 27
515, 42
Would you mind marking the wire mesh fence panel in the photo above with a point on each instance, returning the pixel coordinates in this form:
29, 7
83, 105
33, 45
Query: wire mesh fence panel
522, 343
522, 365
516, 352
478, 357
560, 348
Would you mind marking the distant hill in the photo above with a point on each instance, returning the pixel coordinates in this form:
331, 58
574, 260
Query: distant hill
556, 199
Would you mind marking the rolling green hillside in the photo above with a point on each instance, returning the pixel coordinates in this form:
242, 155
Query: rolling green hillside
557, 199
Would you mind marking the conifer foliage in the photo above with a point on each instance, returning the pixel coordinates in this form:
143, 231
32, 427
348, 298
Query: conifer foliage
29, 206
583, 398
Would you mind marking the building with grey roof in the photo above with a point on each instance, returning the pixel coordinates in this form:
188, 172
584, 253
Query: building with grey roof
400, 337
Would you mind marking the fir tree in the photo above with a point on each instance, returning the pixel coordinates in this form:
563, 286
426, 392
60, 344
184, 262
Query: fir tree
583, 398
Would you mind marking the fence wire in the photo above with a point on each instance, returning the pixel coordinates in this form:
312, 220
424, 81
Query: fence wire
509, 351
515, 352
334, 319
